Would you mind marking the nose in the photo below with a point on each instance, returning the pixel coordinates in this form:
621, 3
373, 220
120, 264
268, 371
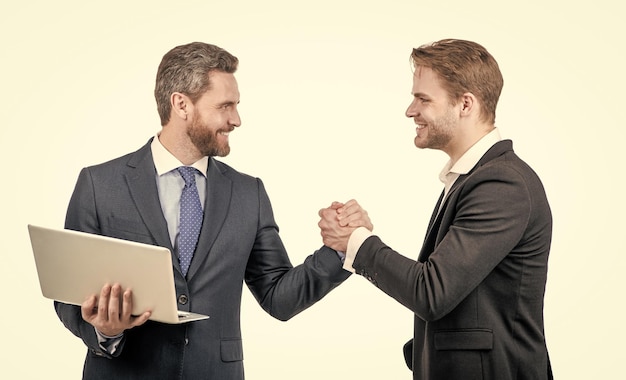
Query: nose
234, 119
412, 110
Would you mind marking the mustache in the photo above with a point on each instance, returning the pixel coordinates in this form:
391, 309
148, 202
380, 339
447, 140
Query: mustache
229, 129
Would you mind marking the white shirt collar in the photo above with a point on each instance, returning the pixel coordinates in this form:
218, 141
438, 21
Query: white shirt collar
164, 161
469, 159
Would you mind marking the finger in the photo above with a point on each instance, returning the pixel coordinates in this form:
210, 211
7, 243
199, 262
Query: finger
335, 205
361, 223
357, 216
350, 207
87, 308
350, 203
323, 225
362, 220
103, 302
328, 214
140, 320
323, 212
127, 305
114, 303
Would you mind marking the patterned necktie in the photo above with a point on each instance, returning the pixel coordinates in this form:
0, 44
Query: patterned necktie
190, 218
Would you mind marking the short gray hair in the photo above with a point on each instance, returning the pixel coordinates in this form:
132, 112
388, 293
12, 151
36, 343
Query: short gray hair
186, 69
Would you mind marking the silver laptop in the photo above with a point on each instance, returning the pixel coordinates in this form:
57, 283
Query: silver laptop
74, 265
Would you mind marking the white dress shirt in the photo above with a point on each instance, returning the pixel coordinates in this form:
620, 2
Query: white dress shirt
170, 184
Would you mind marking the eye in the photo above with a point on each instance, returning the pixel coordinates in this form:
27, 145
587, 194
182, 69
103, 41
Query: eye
421, 99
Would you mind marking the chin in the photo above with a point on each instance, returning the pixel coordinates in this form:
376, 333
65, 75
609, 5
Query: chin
421, 144
222, 151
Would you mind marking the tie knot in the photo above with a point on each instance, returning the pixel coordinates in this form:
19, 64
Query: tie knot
188, 174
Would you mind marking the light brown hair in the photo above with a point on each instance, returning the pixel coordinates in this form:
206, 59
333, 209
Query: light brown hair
464, 66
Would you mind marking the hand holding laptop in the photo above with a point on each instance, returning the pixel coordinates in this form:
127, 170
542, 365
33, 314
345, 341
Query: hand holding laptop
73, 267
110, 313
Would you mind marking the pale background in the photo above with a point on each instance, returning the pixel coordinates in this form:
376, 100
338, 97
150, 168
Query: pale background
324, 88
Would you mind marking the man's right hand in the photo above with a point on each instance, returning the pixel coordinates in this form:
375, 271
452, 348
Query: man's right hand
338, 221
110, 313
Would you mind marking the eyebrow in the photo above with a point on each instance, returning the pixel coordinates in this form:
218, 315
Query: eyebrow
228, 103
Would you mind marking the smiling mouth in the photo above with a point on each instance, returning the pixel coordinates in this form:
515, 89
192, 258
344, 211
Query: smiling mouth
225, 133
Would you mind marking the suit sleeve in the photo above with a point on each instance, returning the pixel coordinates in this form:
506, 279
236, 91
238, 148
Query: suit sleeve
281, 289
81, 216
490, 216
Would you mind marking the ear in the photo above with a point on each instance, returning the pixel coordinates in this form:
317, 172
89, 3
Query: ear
469, 104
181, 105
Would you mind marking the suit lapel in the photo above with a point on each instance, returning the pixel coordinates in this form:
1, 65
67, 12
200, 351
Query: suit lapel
217, 203
141, 179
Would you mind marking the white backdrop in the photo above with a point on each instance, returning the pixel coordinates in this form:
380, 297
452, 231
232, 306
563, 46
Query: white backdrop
324, 87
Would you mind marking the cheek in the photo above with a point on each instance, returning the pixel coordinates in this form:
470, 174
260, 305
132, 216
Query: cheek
208, 121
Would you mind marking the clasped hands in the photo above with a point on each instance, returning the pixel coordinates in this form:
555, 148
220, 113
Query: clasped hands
339, 221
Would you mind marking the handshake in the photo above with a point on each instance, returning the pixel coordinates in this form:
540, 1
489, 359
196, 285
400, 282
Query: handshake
339, 221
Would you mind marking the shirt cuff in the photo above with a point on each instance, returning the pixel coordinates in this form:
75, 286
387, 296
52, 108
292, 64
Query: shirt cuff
357, 238
109, 343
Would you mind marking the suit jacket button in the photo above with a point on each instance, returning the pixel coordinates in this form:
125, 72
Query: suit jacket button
182, 299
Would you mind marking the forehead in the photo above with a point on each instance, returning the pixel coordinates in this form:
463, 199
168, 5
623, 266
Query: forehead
427, 82
223, 86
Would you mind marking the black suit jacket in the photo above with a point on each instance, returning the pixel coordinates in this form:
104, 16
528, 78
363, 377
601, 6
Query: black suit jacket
239, 242
478, 285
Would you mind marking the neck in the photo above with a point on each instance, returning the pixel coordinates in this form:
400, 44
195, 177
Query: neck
457, 149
